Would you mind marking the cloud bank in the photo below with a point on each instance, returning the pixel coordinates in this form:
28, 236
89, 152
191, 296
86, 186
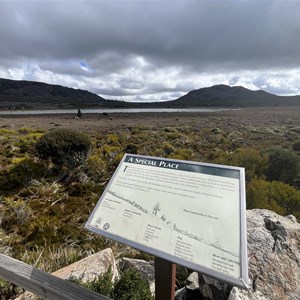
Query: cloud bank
152, 50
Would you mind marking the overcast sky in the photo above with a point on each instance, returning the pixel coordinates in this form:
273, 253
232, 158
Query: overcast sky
152, 50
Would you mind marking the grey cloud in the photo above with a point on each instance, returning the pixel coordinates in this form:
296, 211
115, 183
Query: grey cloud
200, 33
125, 41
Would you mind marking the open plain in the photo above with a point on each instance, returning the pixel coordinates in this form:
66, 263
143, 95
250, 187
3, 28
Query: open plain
258, 117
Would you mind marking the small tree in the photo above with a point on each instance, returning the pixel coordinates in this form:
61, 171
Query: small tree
64, 147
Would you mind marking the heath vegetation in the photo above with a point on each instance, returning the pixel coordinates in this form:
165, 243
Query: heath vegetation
50, 181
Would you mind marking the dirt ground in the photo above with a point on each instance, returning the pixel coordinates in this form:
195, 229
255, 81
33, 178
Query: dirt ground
256, 117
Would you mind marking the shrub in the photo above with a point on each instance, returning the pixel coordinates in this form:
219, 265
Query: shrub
64, 147
27, 142
131, 286
182, 153
283, 165
103, 284
16, 213
131, 148
277, 196
8, 290
96, 168
296, 146
253, 161
21, 174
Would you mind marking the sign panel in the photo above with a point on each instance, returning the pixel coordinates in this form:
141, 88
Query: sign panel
189, 213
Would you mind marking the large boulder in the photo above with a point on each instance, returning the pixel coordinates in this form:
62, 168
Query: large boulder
85, 269
274, 257
89, 268
274, 262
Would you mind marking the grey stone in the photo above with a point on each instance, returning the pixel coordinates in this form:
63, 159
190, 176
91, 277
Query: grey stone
85, 269
274, 257
274, 262
90, 267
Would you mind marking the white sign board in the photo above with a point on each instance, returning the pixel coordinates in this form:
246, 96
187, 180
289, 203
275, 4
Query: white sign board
189, 213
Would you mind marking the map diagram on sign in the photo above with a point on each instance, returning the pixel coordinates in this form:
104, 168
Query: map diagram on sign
187, 211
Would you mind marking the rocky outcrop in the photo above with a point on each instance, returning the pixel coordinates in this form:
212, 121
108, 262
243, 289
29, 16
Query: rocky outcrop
274, 257
274, 263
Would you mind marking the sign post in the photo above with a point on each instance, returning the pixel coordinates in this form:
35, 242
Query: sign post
182, 212
165, 273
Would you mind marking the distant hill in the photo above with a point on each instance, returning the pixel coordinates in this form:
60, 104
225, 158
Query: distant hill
16, 94
38, 95
226, 96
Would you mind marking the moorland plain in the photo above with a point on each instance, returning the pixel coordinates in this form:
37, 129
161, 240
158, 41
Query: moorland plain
44, 205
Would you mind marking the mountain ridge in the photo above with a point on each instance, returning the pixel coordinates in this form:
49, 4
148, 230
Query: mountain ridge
237, 96
24, 94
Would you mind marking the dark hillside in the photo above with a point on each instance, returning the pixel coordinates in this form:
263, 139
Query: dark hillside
226, 96
33, 94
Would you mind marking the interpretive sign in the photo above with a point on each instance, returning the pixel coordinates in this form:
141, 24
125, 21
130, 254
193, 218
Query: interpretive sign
189, 213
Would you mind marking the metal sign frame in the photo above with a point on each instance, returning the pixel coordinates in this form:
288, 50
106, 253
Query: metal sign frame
228, 181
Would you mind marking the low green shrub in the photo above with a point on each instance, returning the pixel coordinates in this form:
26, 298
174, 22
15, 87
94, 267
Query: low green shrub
276, 196
64, 147
14, 213
21, 174
283, 165
27, 143
130, 285
296, 146
8, 290
253, 161
131, 148
103, 284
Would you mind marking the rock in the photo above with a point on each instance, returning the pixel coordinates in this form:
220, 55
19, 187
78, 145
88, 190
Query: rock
274, 257
90, 267
274, 262
191, 290
212, 288
85, 269
146, 268
199, 287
